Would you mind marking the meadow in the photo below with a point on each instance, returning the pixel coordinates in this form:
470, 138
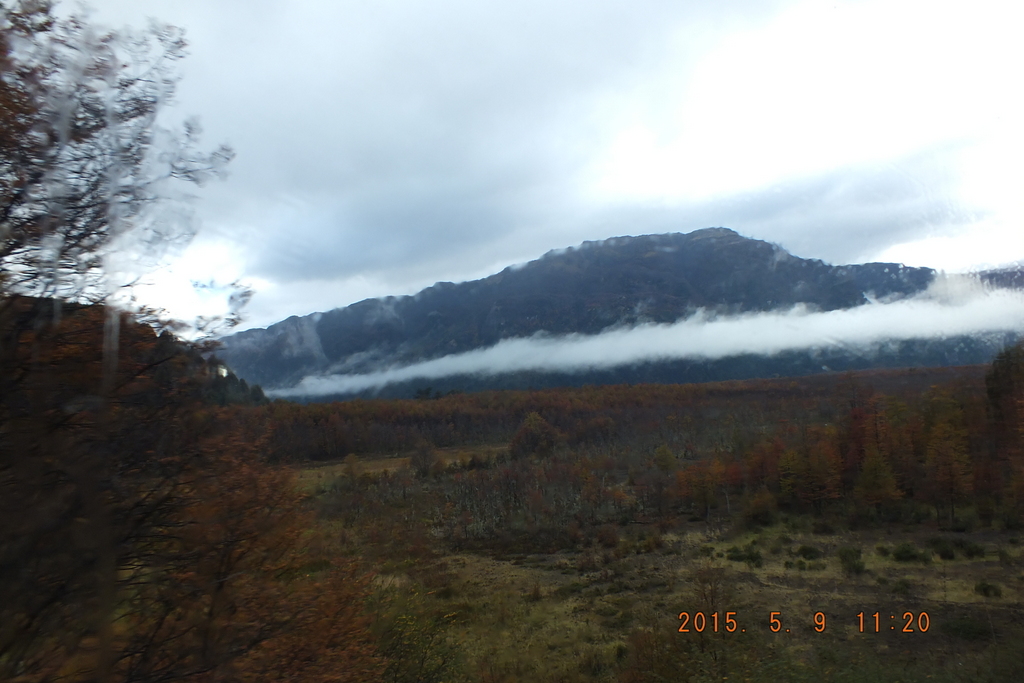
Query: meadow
705, 557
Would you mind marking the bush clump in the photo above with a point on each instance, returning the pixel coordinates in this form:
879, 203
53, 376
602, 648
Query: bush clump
608, 535
822, 527
569, 589
760, 509
988, 590
850, 559
748, 554
970, 549
809, 552
942, 547
907, 552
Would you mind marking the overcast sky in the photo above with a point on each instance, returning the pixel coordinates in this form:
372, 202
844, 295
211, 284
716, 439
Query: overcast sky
383, 146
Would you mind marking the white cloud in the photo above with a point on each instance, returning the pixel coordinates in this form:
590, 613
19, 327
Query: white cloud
407, 142
818, 87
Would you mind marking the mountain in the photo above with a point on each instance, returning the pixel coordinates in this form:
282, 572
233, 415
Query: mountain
621, 281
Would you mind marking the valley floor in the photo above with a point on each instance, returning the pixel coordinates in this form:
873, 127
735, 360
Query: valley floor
610, 609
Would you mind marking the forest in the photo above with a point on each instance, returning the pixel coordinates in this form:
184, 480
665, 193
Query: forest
575, 534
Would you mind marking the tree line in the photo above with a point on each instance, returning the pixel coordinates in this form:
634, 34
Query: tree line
949, 452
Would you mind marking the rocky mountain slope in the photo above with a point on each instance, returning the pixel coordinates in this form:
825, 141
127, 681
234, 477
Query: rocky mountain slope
616, 282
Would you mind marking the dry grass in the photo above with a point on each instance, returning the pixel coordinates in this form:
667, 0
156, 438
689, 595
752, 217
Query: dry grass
311, 475
570, 615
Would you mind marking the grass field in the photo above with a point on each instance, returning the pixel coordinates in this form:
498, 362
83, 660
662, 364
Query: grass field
594, 612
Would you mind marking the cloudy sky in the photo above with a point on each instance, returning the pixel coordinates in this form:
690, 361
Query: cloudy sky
383, 146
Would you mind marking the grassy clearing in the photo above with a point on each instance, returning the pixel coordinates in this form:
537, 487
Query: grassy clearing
593, 612
311, 476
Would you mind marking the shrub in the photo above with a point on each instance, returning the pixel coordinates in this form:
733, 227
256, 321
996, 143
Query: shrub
988, 590
850, 559
822, 527
942, 547
965, 524
653, 542
760, 509
906, 552
423, 459
882, 550
586, 562
970, 549
902, 587
608, 535
809, 552
569, 589
920, 515
749, 555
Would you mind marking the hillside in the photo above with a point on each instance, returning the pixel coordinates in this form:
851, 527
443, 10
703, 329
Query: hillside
617, 282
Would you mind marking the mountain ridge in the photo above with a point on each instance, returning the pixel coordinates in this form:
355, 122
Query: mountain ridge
621, 281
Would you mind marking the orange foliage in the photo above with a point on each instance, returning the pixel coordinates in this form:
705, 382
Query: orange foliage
141, 536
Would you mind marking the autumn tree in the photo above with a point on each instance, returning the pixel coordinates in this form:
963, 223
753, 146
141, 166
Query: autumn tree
1001, 471
143, 539
423, 459
811, 474
1004, 385
665, 459
653, 655
876, 484
822, 478
534, 436
903, 450
84, 167
762, 464
948, 467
